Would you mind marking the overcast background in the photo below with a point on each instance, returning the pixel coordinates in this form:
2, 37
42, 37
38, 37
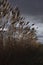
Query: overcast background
33, 11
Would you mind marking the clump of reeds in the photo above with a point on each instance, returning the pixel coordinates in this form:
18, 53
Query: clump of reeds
18, 41
15, 31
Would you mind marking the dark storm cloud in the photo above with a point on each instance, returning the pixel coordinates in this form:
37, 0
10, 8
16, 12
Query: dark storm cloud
29, 6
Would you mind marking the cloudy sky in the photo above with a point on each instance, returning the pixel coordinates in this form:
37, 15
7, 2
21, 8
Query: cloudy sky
29, 6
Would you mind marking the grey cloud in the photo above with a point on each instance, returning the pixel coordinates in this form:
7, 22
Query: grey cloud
29, 6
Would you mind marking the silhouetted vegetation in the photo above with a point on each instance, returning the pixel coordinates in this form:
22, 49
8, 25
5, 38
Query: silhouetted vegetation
18, 41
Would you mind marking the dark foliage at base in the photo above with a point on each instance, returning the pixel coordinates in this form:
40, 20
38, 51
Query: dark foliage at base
21, 55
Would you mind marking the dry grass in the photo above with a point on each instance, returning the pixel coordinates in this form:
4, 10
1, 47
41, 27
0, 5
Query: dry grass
20, 50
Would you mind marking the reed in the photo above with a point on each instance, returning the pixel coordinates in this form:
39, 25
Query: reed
18, 41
